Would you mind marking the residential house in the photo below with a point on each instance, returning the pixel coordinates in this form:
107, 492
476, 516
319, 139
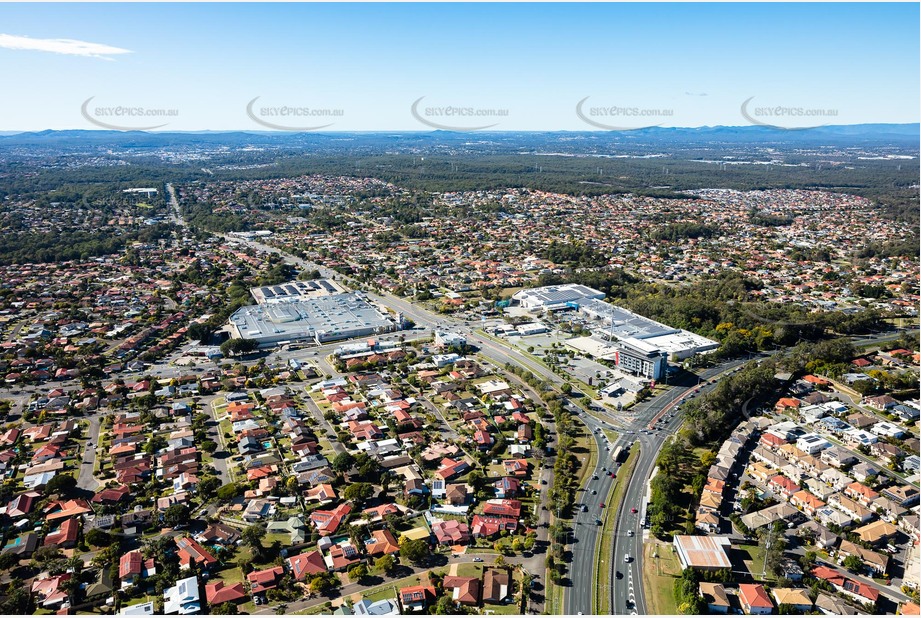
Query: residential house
184, 598
132, 567
451, 532
859, 591
416, 598
714, 595
496, 585
218, 593
189, 552
266, 579
796, 598
876, 561
463, 590
755, 599
904, 495
877, 533
306, 564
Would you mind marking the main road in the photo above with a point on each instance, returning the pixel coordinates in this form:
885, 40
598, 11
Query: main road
625, 593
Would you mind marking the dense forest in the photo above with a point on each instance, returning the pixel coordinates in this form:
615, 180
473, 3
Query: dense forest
680, 231
574, 254
67, 245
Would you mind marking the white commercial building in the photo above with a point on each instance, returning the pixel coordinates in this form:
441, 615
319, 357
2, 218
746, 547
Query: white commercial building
552, 297
449, 339
320, 319
640, 358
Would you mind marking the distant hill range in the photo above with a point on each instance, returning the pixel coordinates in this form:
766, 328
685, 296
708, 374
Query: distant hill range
903, 135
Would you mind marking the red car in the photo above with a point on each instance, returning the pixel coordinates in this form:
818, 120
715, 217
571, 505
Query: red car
601, 505
633, 510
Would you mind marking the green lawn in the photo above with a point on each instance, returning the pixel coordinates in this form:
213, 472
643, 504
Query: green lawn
230, 576
389, 591
469, 569
659, 575
755, 562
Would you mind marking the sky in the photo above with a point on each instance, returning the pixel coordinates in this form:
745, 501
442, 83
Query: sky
543, 66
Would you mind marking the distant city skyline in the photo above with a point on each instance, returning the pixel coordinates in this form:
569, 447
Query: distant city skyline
421, 67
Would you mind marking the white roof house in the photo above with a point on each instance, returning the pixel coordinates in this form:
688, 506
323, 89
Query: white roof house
812, 443
184, 598
888, 430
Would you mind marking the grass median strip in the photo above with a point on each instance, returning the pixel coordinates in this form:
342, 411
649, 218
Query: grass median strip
605, 544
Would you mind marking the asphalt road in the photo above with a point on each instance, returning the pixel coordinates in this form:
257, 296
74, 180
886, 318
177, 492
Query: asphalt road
85, 478
626, 594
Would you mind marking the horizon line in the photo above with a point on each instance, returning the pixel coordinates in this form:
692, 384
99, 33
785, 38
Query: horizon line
10, 132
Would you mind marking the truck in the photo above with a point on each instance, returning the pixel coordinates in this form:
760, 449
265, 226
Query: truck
618, 455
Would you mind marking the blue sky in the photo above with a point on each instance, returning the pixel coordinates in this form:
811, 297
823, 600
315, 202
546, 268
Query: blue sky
667, 64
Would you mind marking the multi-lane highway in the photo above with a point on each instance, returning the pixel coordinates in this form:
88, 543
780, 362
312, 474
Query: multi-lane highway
626, 594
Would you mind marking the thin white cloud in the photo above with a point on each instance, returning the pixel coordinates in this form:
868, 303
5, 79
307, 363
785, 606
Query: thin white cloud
68, 47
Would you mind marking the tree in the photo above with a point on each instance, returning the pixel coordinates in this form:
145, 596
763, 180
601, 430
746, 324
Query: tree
445, 606
415, 550
227, 492
343, 462
386, 564
358, 493
225, 609
97, 537
357, 573
238, 346
176, 515
18, 601
253, 536
8, 560
323, 582
853, 563
63, 484
208, 485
